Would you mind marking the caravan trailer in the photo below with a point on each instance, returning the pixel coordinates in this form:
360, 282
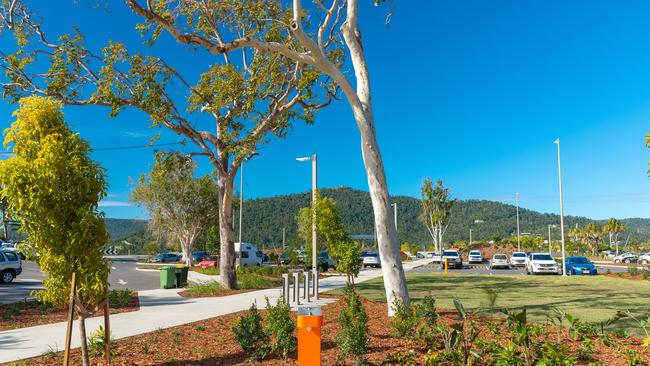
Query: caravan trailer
247, 255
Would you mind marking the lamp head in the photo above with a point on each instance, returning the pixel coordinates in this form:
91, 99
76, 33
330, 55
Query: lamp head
303, 159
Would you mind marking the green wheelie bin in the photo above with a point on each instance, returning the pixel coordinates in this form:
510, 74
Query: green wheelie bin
167, 277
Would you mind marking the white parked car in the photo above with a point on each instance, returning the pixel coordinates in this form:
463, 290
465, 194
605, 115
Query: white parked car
542, 263
453, 259
436, 257
499, 261
475, 257
518, 259
644, 258
10, 266
371, 260
626, 258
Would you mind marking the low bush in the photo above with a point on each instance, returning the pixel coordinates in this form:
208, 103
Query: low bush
250, 335
352, 338
211, 271
280, 328
119, 298
633, 271
97, 342
253, 281
210, 288
404, 321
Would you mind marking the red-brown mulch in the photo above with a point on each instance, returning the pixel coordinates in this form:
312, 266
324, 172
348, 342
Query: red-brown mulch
210, 342
627, 275
31, 313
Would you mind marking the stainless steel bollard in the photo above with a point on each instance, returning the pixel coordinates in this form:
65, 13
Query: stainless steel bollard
296, 288
316, 296
305, 289
285, 288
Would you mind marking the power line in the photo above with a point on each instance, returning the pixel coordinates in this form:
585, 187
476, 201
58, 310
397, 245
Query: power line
122, 147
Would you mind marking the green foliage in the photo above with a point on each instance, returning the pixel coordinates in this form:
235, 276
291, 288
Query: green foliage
404, 320
554, 354
586, 350
53, 189
253, 281
181, 206
151, 248
331, 230
119, 298
97, 342
280, 328
633, 357
352, 338
401, 358
249, 334
436, 210
209, 288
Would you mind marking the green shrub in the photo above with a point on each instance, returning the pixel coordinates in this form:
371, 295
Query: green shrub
250, 336
633, 271
280, 328
554, 354
586, 350
633, 357
210, 271
404, 321
401, 358
426, 314
119, 298
253, 281
352, 339
96, 342
210, 288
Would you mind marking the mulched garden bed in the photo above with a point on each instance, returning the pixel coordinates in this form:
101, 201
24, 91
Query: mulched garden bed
31, 313
219, 294
210, 342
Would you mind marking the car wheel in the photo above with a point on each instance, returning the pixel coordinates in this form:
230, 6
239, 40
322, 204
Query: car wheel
617, 261
6, 277
626, 261
645, 261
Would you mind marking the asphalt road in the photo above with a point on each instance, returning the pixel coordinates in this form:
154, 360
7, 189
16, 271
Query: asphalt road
123, 275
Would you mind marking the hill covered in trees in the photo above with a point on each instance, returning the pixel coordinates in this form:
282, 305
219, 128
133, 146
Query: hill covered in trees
264, 219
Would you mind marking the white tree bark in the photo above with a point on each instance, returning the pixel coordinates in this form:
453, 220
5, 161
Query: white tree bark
226, 233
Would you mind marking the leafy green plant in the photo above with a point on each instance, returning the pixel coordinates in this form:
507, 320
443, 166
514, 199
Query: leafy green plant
250, 335
119, 298
404, 321
401, 358
554, 354
210, 288
253, 281
633, 357
97, 342
586, 350
280, 328
520, 334
633, 271
426, 314
352, 338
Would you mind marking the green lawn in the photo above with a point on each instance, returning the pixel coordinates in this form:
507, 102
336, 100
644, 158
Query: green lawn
591, 299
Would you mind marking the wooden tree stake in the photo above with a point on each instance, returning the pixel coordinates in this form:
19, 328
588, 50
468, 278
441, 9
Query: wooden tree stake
107, 332
68, 335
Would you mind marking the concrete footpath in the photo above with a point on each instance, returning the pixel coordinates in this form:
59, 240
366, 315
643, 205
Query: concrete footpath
158, 309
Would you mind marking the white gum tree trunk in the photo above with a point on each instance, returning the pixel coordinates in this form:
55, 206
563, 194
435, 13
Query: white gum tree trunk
226, 233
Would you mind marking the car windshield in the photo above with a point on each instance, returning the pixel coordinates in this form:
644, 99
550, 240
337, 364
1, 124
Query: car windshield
501, 256
474, 252
580, 260
374, 255
519, 255
450, 253
542, 257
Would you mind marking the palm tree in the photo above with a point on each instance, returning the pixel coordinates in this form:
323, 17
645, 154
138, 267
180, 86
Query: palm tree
614, 228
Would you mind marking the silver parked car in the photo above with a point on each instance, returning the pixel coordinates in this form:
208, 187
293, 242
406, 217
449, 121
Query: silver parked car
499, 261
518, 259
453, 259
10, 266
371, 260
626, 258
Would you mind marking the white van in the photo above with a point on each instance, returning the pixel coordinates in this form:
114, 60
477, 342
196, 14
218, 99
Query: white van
247, 255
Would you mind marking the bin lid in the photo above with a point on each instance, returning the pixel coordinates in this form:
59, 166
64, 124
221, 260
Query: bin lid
309, 311
164, 267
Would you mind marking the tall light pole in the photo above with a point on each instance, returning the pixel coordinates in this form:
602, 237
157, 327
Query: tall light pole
470, 236
518, 237
559, 177
549, 240
314, 184
395, 214
241, 197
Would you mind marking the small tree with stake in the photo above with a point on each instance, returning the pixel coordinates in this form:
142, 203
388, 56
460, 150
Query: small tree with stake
53, 189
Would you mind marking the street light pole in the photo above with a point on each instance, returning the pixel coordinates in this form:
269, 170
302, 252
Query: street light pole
559, 176
470, 236
314, 185
395, 214
518, 237
550, 251
241, 197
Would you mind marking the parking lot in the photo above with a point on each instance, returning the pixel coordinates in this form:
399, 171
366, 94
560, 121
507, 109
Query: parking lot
123, 275
482, 269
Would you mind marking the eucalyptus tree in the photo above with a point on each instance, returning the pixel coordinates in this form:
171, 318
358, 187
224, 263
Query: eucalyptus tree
181, 207
436, 210
613, 228
593, 234
304, 47
249, 96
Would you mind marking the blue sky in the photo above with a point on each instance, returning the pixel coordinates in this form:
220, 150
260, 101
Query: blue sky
473, 92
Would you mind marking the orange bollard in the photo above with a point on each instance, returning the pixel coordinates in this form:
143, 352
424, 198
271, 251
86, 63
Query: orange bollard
310, 321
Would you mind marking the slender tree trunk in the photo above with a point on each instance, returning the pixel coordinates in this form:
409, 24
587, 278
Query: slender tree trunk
227, 258
82, 338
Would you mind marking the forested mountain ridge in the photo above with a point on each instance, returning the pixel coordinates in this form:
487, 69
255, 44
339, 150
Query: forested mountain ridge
264, 219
